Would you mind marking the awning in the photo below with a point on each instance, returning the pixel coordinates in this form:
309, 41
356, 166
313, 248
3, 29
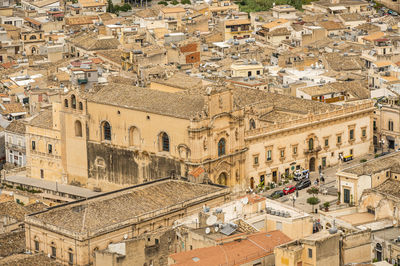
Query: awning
389, 138
337, 8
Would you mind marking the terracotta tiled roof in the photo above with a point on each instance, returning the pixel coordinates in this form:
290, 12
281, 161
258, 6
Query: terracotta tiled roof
241, 252
16, 126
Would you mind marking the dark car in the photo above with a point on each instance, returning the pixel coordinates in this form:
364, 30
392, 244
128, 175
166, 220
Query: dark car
288, 190
303, 184
276, 194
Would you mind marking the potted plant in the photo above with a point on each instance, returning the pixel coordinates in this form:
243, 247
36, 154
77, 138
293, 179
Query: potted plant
326, 206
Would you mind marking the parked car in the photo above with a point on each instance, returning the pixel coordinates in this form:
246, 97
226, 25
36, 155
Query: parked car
297, 175
289, 190
303, 184
276, 194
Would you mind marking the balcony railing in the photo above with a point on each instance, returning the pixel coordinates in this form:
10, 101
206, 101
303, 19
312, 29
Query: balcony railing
315, 149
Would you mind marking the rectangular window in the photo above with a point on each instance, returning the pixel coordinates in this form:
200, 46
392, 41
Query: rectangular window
364, 133
70, 257
41, 173
53, 252
255, 159
269, 155
339, 139
310, 253
282, 153
36, 245
323, 161
346, 195
50, 148
326, 142
295, 150
351, 152
258, 72
351, 134
33, 145
374, 124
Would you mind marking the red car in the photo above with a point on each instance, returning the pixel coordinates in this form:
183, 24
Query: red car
289, 190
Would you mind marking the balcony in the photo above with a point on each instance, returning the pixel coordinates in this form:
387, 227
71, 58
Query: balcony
314, 150
14, 147
82, 81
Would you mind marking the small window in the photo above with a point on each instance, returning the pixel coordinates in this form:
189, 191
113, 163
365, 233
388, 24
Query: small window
53, 252
295, 150
364, 133
390, 126
282, 153
221, 147
41, 173
80, 106
258, 72
33, 145
269, 155
106, 131
310, 253
252, 124
36, 245
165, 142
326, 142
66, 103
311, 144
351, 134
73, 101
70, 257
339, 139
351, 152
255, 159
50, 148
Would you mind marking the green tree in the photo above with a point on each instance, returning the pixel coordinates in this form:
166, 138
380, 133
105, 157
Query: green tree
174, 2
313, 201
185, 2
110, 6
313, 191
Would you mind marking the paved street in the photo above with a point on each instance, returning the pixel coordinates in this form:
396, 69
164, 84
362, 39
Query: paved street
330, 183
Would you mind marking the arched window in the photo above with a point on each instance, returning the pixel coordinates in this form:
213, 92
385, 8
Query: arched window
78, 128
221, 147
311, 144
66, 102
80, 106
164, 142
73, 101
106, 131
33, 37
252, 124
134, 136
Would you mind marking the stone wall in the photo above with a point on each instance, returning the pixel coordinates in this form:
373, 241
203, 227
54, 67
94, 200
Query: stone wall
126, 166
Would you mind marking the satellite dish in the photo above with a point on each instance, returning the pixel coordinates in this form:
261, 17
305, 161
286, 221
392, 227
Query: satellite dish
245, 200
211, 220
216, 229
208, 230
126, 236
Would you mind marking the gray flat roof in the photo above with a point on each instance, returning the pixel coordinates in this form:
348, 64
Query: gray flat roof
50, 185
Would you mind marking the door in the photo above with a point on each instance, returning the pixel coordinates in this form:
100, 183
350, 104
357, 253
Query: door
391, 144
312, 164
346, 195
222, 179
274, 177
252, 183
